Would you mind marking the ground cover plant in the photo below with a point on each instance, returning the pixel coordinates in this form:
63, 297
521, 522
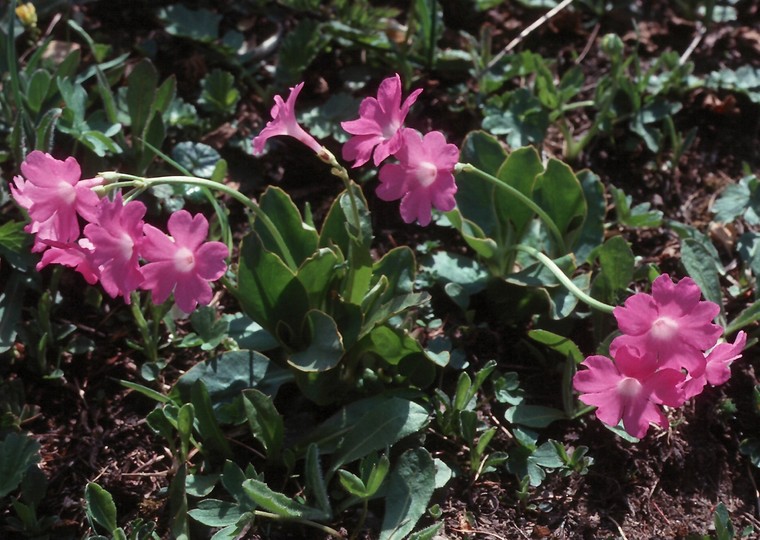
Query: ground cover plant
413, 269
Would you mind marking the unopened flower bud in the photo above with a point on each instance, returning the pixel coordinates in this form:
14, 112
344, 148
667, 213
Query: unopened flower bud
27, 14
612, 45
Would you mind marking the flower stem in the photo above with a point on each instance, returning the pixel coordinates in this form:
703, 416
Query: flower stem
340, 171
527, 201
128, 180
566, 281
149, 333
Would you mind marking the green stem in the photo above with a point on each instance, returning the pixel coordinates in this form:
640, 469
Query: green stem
149, 339
566, 281
128, 180
527, 201
340, 171
324, 528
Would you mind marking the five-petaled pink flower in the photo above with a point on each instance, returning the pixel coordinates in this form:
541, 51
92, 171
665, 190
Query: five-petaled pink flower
116, 236
183, 262
379, 124
632, 388
423, 178
284, 122
53, 194
672, 324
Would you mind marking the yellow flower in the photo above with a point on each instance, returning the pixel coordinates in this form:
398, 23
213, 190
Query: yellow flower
27, 14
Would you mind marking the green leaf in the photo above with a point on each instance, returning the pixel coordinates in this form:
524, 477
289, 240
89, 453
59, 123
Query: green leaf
747, 316
37, 90
352, 421
218, 93
701, 266
475, 202
265, 422
352, 483
232, 480
324, 120
563, 345
560, 194
300, 47
390, 344
228, 374
638, 216
200, 25
198, 158
144, 390
724, 530
592, 233
325, 347
378, 428
211, 329
398, 266
200, 485
524, 121
17, 453
616, 262
216, 513
46, 128
281, 504
428, 533
185, 419
410, 487
100, 506
301, 238
520, 170
471, 276
317, 273
535, 416
268, 291
141, 91
215, 445
315, 481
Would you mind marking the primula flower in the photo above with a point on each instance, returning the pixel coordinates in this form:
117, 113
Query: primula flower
379, 124
284, 122
183, 262
717, 369
76, 255
116, 236
53, 194
672, 324
630, 388
423, 178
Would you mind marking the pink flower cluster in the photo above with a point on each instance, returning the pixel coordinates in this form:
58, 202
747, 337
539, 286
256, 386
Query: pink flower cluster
667, 353
423, 178
116, 239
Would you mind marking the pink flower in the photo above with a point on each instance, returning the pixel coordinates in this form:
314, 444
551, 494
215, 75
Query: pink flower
116, 236
284, 123
672, 324
379, 124
53, 195
630, 388
717, 370
183, 262
423, 178
76, 255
